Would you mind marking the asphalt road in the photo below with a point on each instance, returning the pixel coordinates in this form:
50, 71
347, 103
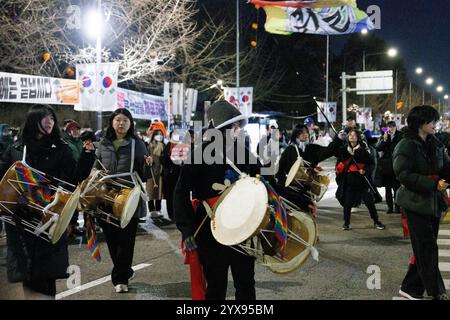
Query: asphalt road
363, 263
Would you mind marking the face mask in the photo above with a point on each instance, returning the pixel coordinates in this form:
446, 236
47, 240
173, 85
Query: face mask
159, 138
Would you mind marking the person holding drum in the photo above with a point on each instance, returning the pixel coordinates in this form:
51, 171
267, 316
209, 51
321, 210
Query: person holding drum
115, 154
207, 181
31, 260
354, 165
312, 154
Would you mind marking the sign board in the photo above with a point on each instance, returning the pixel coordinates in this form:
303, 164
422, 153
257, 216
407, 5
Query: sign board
374, 82
22, 88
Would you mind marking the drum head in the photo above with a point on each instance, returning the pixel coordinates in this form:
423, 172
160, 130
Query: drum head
58, 228
292, 172
295, 253
240, 212
130, 206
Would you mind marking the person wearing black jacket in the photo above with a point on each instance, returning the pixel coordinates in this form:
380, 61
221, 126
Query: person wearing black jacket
313, 154
31, 260
171, 172
385, 147
199, 178
422, 166
354, 164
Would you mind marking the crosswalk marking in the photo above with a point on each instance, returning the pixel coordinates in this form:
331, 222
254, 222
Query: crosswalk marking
444, 266
443, 242
444, 232
447, 284
444, 253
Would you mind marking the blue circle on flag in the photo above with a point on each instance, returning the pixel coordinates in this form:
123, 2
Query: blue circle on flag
86, 82
107, 82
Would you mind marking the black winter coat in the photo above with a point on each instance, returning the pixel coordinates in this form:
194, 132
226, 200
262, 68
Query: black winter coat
30, 257
418, 166
385, 168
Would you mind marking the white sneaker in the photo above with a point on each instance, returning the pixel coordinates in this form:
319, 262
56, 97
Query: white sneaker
409, 296
121, 288
155, 214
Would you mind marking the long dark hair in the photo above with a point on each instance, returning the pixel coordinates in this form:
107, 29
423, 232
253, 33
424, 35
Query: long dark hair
30, 129
111, 133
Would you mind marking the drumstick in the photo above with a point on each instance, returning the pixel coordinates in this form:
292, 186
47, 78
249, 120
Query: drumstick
200, 226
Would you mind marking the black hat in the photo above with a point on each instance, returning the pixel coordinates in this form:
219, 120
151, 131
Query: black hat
221, 114
88, 135
351, 118
391, 124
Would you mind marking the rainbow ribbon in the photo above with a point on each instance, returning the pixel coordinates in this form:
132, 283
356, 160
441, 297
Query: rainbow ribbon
281, 227
32, 183
91, 240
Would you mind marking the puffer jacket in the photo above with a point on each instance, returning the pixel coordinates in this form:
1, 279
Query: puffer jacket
120, 162
29, 257
418, 165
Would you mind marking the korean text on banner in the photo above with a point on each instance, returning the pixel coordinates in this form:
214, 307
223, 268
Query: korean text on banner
23, 88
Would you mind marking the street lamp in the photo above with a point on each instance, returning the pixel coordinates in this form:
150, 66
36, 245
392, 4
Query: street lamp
429, 81
392, 52
440, 89
94, 30
419, 70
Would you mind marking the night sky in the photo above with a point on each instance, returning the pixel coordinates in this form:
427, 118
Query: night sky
420, 30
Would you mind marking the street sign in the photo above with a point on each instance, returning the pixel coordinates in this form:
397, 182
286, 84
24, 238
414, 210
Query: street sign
374, 82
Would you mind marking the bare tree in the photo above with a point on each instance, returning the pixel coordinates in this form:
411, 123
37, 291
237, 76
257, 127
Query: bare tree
144, 36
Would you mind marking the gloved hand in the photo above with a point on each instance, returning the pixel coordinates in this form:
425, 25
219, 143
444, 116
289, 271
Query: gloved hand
190, 244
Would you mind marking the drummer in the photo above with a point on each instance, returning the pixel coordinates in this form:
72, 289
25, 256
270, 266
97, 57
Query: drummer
312, 154
31, 260
205, 181
115, 153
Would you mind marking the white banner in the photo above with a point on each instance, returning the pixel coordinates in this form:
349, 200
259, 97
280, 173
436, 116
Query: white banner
244, 102
23, 88
329, 109
364, 116
141, 105
98, 92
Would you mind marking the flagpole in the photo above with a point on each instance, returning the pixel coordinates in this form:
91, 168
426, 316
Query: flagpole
237, 51
327, 75
97, 69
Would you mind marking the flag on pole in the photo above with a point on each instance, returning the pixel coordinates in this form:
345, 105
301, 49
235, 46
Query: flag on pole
329, 109
91, 239
243, 102
98, 92
314, 19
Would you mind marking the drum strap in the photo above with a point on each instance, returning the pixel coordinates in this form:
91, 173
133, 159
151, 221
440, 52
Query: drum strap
133, 145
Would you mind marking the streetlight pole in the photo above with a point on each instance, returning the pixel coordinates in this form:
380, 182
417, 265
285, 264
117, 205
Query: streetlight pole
237, 51
364, 70
396, 91
97, 69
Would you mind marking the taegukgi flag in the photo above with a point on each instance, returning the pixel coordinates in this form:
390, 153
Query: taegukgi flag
98, 89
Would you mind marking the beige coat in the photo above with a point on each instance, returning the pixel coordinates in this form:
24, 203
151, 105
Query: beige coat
154, 172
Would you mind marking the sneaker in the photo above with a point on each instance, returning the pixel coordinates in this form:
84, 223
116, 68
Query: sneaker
353, 210
409, 295
346, 227
155, 214
378, 225
120, 288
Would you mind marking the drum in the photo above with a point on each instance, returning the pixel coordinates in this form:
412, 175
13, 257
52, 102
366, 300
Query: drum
246, 216
105, 197
298, 176
50, 208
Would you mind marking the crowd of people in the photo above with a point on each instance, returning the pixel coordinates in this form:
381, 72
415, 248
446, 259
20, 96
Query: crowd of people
411, 164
